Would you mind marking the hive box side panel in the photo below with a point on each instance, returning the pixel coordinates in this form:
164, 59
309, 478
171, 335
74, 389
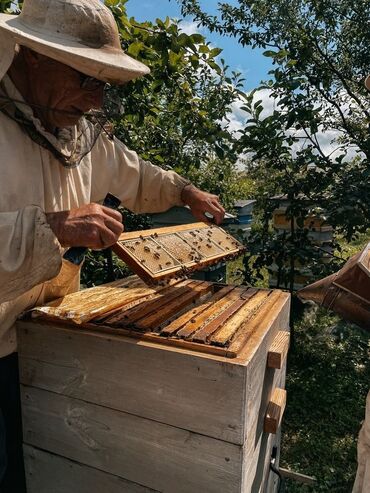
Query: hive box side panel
152, 454
200, 393
261, 380
49, 473
257, 454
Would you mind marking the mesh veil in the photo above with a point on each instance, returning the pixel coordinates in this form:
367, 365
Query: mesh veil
69, 145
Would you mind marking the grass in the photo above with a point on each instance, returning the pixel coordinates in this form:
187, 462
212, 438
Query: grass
327, 383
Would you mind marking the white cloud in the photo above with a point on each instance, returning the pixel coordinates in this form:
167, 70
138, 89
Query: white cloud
189, 27
328, 139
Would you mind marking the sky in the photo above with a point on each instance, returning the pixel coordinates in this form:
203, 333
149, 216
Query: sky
251, 63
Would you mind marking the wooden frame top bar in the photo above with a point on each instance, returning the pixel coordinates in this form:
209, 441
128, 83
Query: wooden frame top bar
159, 254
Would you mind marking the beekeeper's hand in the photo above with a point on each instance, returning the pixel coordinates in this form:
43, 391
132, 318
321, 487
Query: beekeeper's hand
92, 225
201, 202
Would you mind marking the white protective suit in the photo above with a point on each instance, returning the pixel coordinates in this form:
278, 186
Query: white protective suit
362, 483
33, 182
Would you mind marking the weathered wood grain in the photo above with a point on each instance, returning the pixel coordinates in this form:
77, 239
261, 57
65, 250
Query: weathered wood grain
215, 323
50, 473
258, 318
136, 449
278, 350
179, 322
196, 323
139, 312
86, 305
275, 411
116, 314
175, 306
189, 390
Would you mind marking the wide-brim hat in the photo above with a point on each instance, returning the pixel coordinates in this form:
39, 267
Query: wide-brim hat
80, 33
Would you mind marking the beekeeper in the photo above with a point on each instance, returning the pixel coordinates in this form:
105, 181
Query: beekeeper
56, 168
362, 482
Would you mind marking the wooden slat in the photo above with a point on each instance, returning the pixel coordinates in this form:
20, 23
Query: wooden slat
50, 473
210, 328
115, 316
177, 324
259, 319
159, 231
244, 314
86, 305
275, 411
209, 313
133, 315
147, 452
278, 350
173, 307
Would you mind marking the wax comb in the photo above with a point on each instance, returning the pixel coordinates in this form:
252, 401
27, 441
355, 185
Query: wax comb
174, 252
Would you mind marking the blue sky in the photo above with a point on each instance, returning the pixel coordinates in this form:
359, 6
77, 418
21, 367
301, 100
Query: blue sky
251, 63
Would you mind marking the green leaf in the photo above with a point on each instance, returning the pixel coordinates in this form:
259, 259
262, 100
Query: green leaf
135, 48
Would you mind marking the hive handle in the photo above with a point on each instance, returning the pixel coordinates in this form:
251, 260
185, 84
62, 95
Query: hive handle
275, 411
278, 350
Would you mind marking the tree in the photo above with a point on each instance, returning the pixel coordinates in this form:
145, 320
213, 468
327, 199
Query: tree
178, 115
319, 50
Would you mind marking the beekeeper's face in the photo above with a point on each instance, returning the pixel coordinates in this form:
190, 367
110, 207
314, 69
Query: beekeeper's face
63, 93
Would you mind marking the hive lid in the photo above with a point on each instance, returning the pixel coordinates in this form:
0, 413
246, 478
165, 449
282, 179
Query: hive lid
196, 315
164, 253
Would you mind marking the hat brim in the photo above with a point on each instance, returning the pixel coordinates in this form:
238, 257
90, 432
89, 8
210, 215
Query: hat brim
367, 82
107, 64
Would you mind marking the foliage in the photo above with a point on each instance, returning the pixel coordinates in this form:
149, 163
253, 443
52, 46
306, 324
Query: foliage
320, 57
5, 5
327, 382
178, 114
224, 179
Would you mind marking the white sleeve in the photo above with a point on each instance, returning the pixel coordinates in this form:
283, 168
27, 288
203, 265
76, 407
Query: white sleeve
29, 252
141, 186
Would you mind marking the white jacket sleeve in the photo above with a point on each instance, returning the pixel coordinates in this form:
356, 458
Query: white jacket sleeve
29, 252
141, 186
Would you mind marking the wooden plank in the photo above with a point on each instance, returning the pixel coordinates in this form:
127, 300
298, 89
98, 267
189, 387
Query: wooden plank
159, 231
195, 324
173, 307
258, 445
260, 319
143, 306
275, 411
241, 317
139, 312
261, 380
147, 452
177, 324
117, 313
86, 305
50, 473
208, 329
278, 350
201, 393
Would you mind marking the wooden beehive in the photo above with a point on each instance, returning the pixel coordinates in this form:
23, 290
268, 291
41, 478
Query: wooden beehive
176, 388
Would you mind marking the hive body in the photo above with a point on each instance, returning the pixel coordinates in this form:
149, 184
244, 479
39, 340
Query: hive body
172, 399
